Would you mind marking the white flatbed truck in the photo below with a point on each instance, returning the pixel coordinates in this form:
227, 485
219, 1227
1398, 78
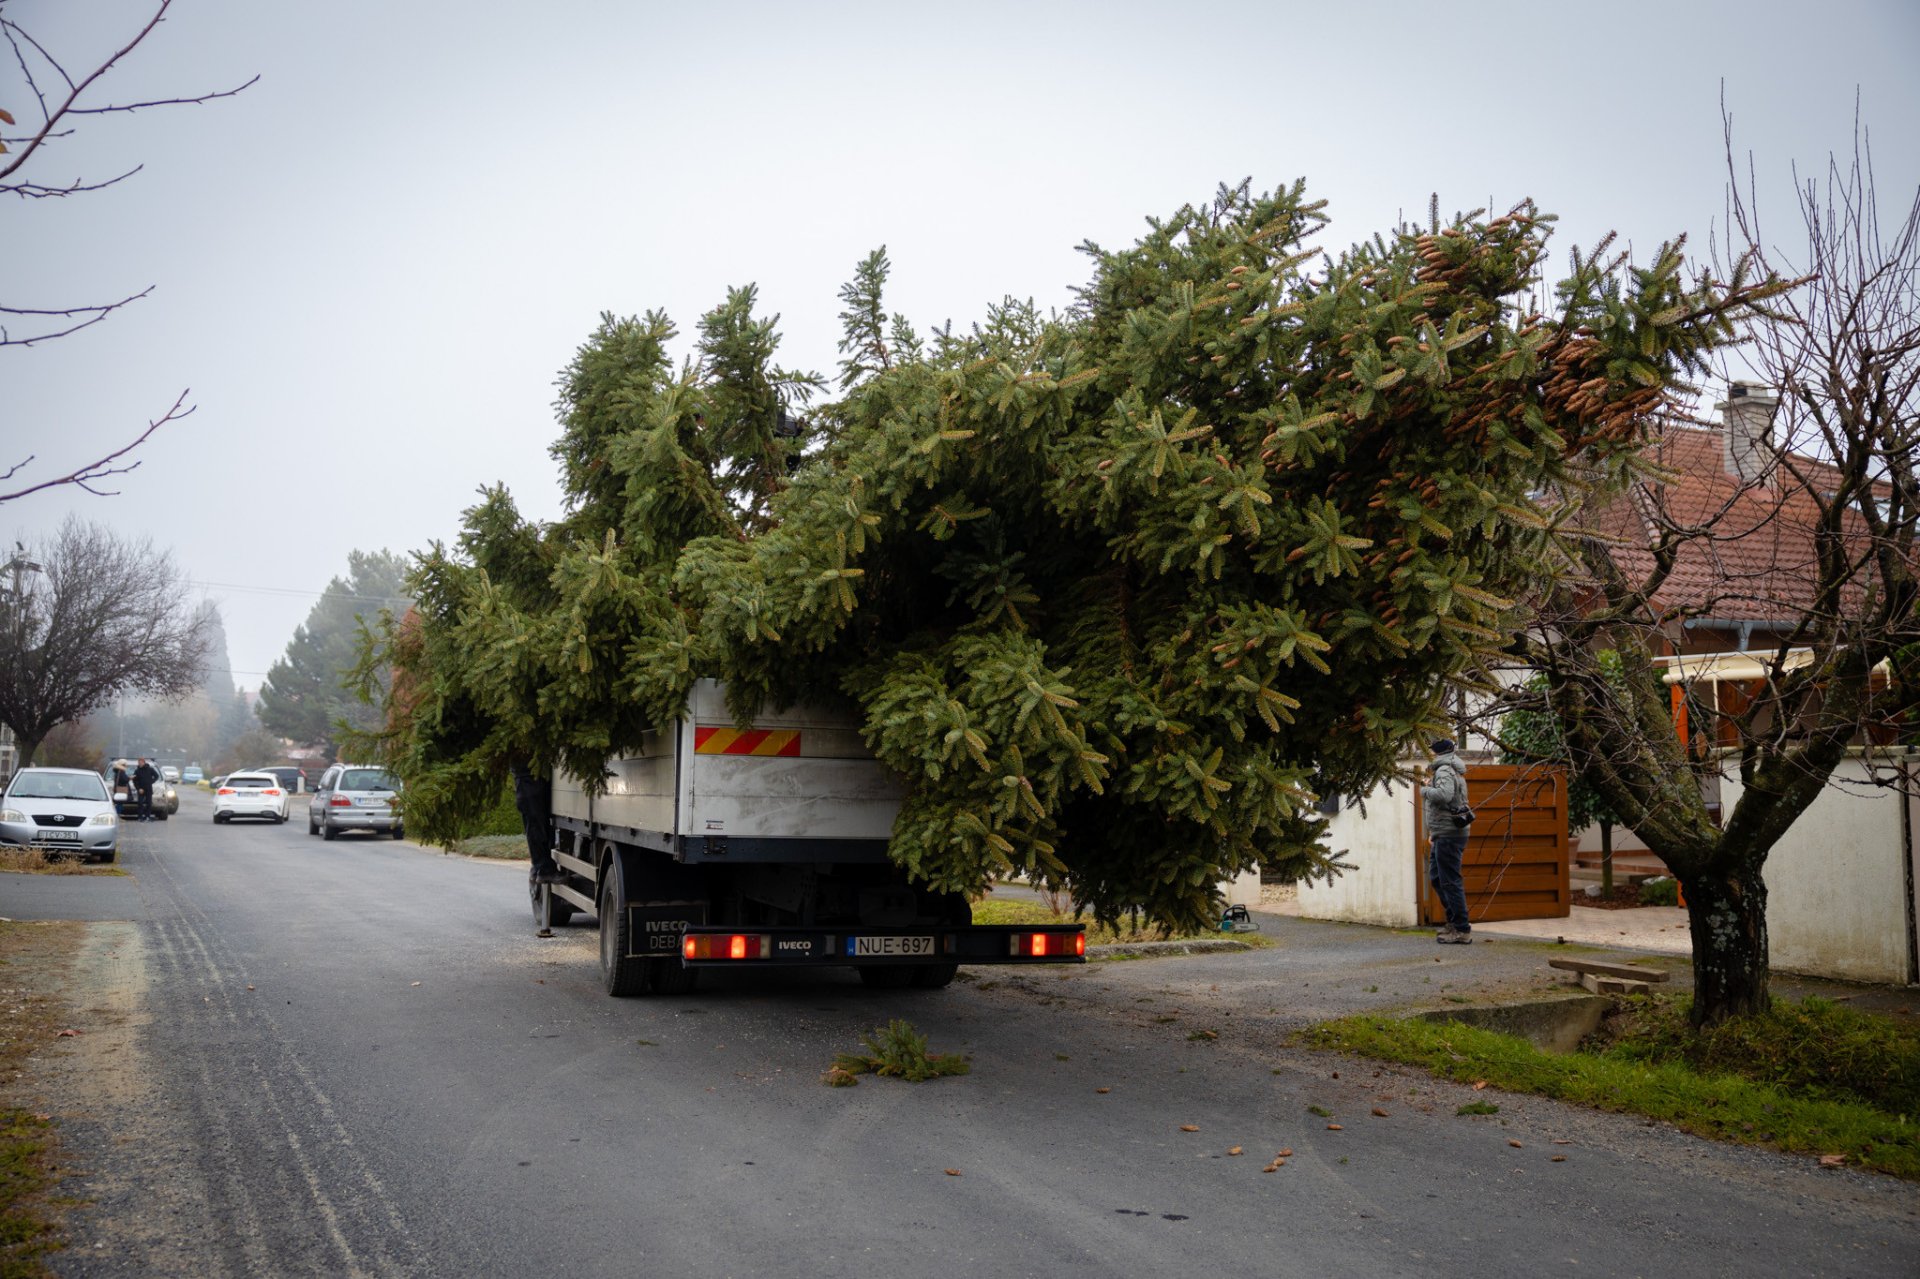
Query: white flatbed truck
719, 846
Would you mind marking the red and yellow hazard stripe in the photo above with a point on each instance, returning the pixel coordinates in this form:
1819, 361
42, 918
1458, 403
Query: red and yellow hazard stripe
712, 740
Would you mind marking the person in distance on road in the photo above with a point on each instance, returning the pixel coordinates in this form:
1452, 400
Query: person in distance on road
1447, 817
144, 776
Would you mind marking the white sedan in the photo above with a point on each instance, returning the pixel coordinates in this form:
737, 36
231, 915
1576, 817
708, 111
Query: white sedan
249, 795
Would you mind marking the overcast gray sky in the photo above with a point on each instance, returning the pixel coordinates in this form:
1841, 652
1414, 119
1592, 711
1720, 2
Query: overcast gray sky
370, 266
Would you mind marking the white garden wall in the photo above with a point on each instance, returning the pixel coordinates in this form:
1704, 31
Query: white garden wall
1837, 882
1383, 887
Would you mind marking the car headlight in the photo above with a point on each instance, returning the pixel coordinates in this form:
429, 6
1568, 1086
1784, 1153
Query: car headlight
12, 815
101, 819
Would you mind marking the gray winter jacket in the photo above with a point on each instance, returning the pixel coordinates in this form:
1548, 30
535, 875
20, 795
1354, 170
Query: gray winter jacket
1445, 793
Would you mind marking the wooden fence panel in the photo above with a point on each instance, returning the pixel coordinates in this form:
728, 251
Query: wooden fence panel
1518, 854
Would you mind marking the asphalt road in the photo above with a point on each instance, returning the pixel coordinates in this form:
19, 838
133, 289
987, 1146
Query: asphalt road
355, 1058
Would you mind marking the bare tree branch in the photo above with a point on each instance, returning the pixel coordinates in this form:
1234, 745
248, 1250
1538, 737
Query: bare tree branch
93, 472
69, 105
38, 191
94, 315
60, 98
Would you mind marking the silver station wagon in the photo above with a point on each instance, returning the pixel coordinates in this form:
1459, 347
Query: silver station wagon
355, 797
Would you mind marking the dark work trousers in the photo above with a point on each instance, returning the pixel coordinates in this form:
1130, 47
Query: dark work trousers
533, 796
146, 802
1443, 872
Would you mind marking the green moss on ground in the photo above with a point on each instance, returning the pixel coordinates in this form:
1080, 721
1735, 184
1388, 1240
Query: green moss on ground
1810, 1077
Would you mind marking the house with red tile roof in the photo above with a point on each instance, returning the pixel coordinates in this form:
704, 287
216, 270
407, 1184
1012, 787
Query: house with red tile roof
1743, 525
1728, 530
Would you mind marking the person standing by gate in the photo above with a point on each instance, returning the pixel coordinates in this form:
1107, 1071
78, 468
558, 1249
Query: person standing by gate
1448, 819
144, 776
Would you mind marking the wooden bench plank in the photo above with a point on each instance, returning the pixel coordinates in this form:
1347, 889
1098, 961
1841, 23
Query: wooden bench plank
1595, 966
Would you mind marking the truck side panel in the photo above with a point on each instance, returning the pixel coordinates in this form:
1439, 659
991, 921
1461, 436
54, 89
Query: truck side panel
639, 790
798, 773
794, 798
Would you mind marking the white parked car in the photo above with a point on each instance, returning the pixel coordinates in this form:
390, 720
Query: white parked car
60, 810
168, 773
249, 795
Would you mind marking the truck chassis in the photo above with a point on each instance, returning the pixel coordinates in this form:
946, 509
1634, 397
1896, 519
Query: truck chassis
663, 917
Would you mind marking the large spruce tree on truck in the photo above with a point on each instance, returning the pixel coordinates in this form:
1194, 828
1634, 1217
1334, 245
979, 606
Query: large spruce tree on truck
1118, 592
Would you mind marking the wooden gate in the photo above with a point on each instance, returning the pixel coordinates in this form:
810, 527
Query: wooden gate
1518, 852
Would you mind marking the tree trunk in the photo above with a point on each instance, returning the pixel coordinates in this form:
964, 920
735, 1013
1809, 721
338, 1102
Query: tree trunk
1606, 860
25, 748
1727, 915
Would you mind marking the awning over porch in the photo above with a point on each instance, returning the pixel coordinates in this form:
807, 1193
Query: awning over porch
1716, 668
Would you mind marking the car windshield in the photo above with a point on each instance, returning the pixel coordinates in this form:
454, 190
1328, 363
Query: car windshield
368, 779
57, 786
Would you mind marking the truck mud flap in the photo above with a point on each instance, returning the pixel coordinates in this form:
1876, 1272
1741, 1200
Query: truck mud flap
715, 946
655, 929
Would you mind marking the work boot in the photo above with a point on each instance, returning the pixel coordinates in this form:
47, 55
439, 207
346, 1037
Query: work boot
549, 874
1453, 937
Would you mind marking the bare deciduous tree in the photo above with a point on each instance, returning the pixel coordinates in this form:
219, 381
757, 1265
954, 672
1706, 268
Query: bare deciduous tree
100, 617
1797, 537
62, 100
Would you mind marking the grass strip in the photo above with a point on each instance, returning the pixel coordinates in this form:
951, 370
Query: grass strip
33, 861
1014, 911
29, 1017
507, 848
1811, 1046
26, 1234
1708, 1104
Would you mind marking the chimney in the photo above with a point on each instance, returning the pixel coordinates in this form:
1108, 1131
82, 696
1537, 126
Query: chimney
1748, 416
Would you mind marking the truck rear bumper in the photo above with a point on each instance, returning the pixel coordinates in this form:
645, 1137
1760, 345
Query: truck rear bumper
712, 946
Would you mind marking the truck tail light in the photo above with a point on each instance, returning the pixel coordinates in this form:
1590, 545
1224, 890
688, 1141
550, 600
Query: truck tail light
1043, 945
727, 946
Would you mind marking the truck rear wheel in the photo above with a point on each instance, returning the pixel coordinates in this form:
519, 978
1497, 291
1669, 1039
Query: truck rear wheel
622, 974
